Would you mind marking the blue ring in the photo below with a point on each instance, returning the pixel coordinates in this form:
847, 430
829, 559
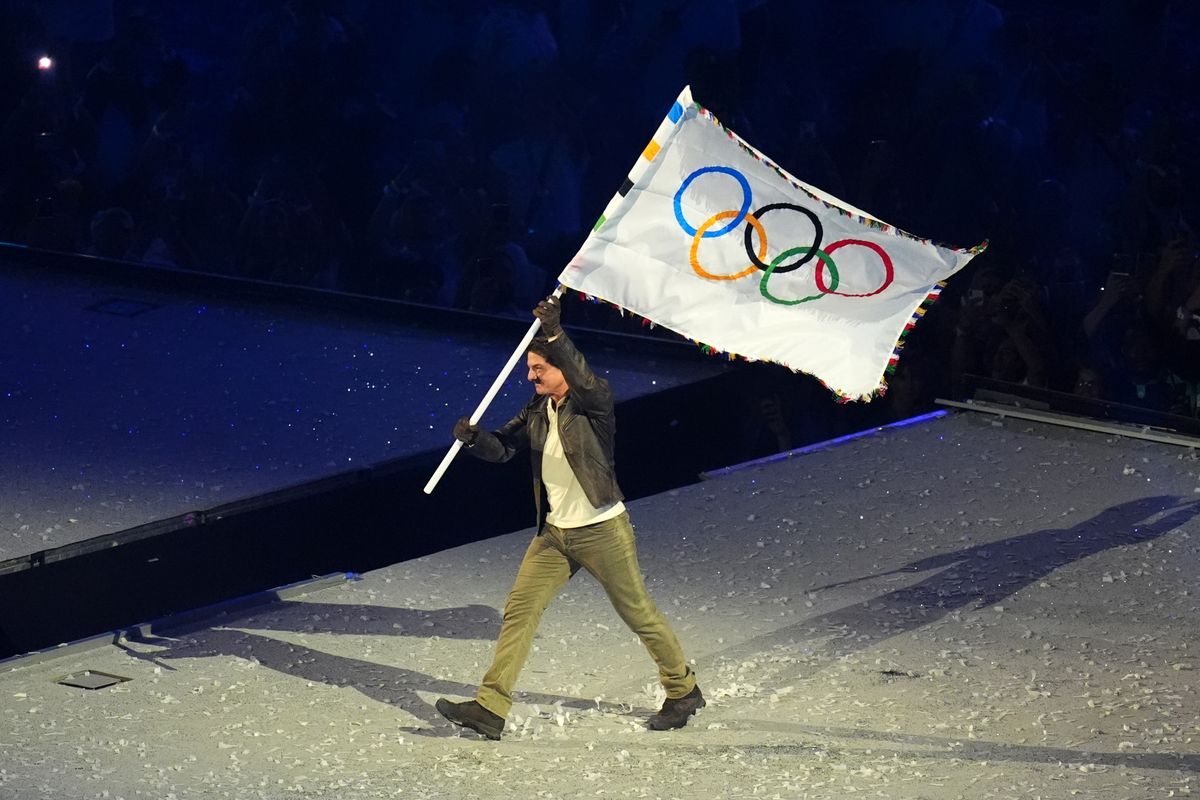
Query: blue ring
733, 223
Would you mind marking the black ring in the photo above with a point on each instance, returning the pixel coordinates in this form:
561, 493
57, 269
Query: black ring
817, 229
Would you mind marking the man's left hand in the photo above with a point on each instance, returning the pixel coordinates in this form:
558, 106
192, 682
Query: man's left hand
549, 312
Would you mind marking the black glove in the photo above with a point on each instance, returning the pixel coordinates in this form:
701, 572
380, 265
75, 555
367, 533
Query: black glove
549, 311
465, 432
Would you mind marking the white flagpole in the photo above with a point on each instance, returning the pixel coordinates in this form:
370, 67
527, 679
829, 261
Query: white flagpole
488, 398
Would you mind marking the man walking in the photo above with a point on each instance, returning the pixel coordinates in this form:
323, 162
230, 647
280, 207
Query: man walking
568, 427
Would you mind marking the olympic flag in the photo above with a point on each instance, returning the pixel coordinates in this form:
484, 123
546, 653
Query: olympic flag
711, 239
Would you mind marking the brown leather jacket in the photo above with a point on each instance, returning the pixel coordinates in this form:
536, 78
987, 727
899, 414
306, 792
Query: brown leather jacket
586, 425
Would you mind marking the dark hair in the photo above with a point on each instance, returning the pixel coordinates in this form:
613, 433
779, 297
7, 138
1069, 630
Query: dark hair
541, 346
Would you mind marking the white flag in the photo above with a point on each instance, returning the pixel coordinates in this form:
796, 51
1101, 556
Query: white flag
711, 239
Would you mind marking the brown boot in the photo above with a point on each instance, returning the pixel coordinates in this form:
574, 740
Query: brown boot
471, 715
675, 713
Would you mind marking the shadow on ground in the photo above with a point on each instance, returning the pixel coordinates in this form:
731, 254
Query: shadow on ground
974, 577
396, 686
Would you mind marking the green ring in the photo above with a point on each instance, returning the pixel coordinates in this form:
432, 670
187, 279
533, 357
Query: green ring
779, 259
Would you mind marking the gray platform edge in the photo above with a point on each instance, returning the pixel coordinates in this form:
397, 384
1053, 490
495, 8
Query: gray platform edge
1129, 431
810, 448
163, 624
195, 517
1048, 417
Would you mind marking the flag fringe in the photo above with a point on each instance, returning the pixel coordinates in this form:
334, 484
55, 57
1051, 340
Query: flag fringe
839, 396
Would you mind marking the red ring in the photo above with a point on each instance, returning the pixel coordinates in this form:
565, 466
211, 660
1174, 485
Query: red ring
889, 270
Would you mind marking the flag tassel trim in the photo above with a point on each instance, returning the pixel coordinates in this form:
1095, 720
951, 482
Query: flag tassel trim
841, 397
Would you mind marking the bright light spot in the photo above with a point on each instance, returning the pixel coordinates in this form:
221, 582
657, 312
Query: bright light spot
45, 63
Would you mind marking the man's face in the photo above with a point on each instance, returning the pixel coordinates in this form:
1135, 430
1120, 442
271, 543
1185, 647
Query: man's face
546, 378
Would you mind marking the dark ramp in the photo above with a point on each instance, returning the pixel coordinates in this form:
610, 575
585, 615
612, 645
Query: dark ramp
178, 439
124, 402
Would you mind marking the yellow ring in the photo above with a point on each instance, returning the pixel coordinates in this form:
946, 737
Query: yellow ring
762, 250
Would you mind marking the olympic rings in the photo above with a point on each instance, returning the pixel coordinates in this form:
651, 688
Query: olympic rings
740, 215
824, 260
818, 232
758, 258
889, 271
695, 261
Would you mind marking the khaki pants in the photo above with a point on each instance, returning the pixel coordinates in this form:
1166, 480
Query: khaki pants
607, 550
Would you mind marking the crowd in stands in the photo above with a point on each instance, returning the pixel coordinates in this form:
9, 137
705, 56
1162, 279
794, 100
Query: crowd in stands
457, 152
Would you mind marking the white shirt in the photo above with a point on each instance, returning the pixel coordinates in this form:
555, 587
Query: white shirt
569, 506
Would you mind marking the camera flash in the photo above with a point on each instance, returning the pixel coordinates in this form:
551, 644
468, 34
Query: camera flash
45, 63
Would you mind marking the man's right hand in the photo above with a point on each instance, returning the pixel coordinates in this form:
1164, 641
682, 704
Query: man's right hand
465, 432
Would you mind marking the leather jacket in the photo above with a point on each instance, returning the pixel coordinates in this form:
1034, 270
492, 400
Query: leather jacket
586, 425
